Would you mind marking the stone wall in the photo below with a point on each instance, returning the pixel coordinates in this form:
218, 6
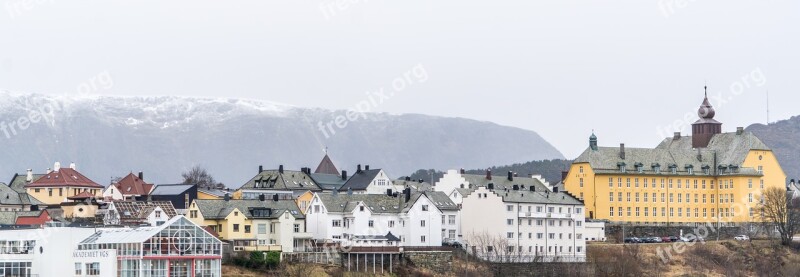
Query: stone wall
438, 261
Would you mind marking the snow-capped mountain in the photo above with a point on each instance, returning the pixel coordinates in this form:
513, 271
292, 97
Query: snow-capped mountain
110, 136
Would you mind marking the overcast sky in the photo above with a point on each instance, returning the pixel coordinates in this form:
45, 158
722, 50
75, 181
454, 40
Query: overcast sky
628, 69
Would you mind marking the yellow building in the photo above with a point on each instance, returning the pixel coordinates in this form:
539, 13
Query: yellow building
251, 225
57, 185
709, 177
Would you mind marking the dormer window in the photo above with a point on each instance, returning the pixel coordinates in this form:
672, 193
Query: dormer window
673, 168
656, 167
621, 167
639, 167
689, 169
722, 169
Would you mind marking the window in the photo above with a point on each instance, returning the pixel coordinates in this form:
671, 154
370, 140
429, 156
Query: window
645, 211
371, 223
611, 197
335, 223
628, 182
539, 222
509, 222
361, 208
610, 183
637, 211
619, 197
236, 227
424, 208
422, 223
749, 183
510, 235
297, 228
760, 169
235, 213
581, 182
443, 219
645, 197
509, 208
578, 223
750, 197
539, 235
192, 214
762, 183
158, 213
580, 169
451, 234
422, 238
578, 210
391, 223
636, 182
262, 229
247, 229
611, 211
93, 269
451, 219
78, 269
50, 192
619, 182
637, 197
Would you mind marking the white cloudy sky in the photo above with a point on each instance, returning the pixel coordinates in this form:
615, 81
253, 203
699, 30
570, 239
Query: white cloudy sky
628, 69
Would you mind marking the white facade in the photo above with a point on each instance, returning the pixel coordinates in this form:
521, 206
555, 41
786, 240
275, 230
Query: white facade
595, 231
113, 193
520, 231
368, 224
380, 184
49, 252
286, 231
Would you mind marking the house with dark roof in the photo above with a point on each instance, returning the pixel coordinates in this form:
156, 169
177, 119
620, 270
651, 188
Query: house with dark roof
130, 187
22, 200
369, 181
286, 184
181, 195
390, 219
58, 184
24, 218
254, 225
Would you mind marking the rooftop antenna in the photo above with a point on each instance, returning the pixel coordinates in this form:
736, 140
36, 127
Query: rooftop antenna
767, 106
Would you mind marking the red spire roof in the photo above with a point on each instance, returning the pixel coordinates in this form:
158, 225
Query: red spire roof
132, 185
64, 177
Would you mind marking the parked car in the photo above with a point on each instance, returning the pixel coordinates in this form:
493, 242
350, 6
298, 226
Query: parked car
742, 237
673, 238
666, 239
655, 239
692, 239
451, 243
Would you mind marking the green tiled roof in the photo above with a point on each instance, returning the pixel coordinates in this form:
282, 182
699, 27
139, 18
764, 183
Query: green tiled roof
730, 149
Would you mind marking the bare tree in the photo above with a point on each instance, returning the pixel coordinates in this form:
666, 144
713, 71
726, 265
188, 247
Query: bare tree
199, 176
777, 211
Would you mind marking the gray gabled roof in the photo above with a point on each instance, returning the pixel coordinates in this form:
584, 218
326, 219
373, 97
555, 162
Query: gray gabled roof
729, 148
286, 180
504, 188
413, 185
360, 180
8, 196
219, 208
441, 200
378, 203
18, 183
328, 181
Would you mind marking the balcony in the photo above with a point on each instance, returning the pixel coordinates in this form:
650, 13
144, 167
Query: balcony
304, 235
547, 215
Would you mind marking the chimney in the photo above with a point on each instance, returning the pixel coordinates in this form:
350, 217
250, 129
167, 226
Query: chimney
358, 169
420, 181
490, 186
488, 174
622, 151
344, 175
739, 130
49, 170
676, 136
29, 177
262, 197
260, 168
407, 193
699, 155
275, 197
280, 169
408, 178
366, 167
72, 165
227, 197
462, 171
141, 175
511, 176
57, 166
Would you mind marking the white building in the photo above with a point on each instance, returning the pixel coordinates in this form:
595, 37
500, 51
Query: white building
517, 219
403, 219
176, 248
137, 213
595, 230
369, 181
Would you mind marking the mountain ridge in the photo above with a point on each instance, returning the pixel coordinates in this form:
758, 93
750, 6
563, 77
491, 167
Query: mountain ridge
109, 136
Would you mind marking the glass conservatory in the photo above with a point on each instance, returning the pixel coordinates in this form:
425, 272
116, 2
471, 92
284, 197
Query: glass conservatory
178, 248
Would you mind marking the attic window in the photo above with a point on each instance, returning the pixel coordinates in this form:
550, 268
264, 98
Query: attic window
361, 208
